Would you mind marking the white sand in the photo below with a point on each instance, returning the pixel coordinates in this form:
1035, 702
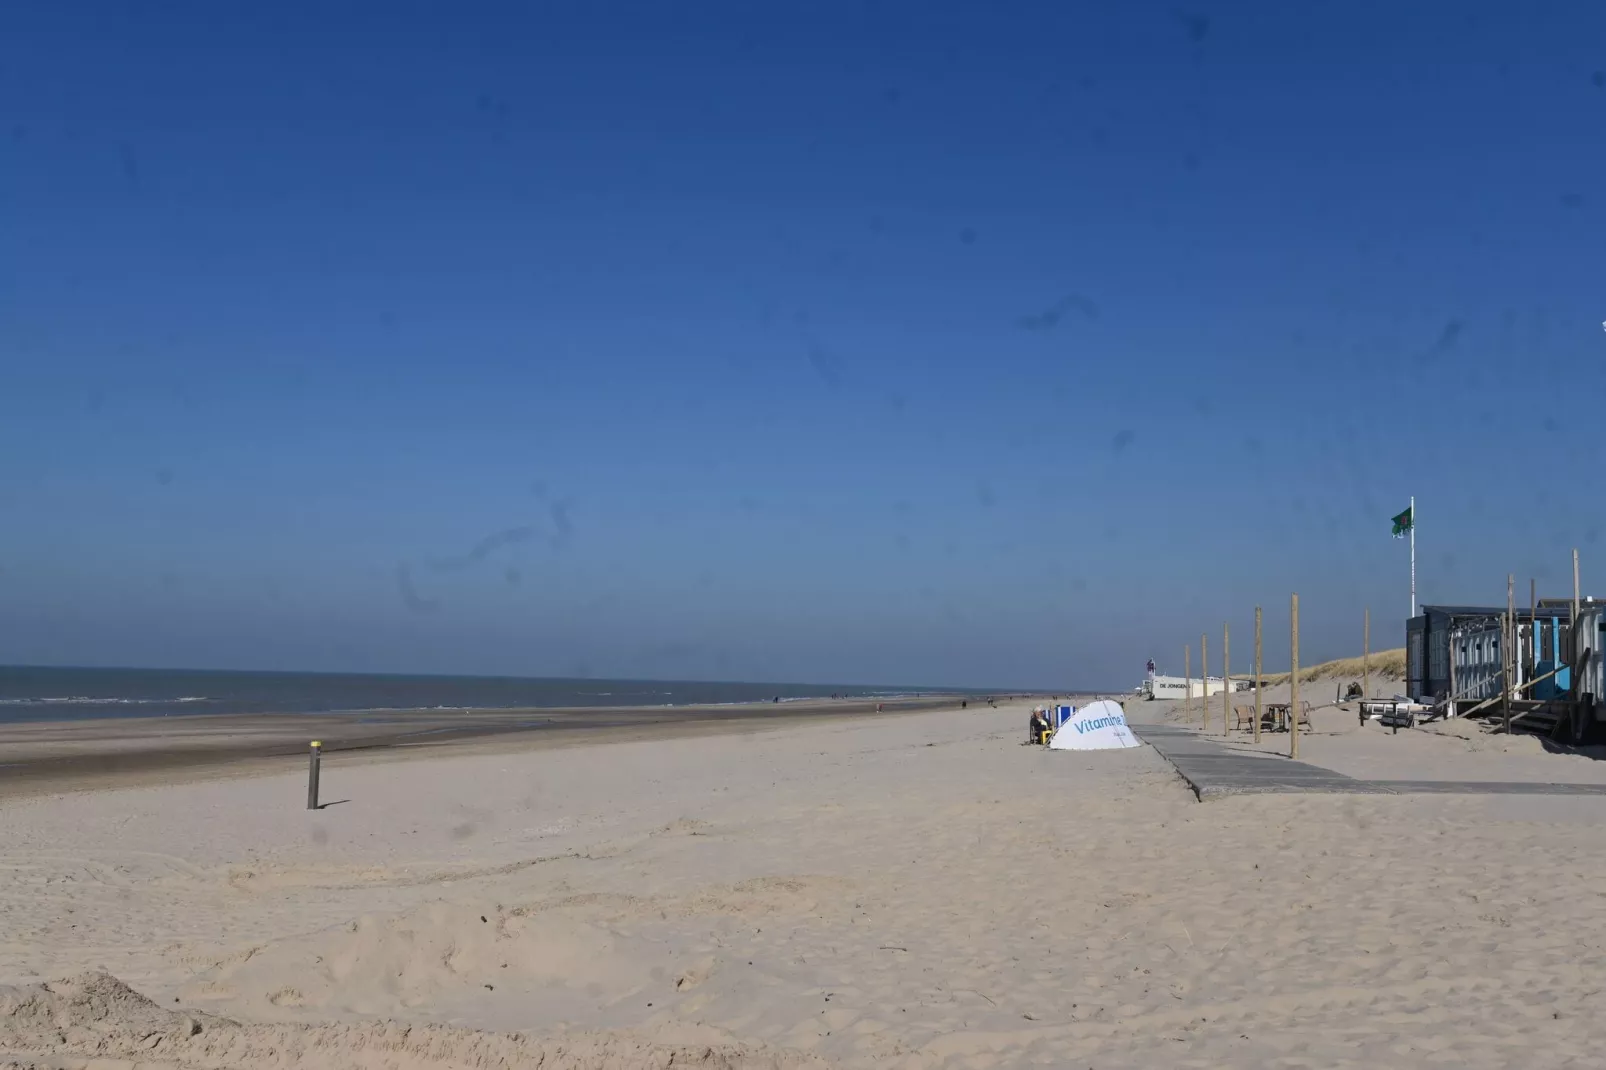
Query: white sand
912, 892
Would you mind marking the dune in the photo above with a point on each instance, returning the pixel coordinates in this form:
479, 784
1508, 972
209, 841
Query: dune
1381, 665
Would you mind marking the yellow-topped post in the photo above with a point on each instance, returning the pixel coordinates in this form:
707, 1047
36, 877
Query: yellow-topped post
313, 761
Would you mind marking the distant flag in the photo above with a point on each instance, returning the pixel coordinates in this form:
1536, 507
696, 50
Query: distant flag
1403, 523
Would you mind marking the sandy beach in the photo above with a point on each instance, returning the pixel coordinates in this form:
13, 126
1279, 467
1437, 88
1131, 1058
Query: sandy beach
65, 755
911, 891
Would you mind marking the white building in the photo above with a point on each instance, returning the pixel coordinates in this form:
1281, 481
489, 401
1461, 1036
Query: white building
1182, 687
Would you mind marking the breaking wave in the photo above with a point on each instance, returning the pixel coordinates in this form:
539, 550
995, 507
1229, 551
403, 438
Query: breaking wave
86, 700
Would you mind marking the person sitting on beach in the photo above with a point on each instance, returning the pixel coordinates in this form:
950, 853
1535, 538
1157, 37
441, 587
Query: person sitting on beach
1037, 726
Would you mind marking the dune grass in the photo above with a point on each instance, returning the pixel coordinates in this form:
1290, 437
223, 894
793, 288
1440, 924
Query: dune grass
1384, 664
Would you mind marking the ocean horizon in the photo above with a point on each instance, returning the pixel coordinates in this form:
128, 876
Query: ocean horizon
61, 693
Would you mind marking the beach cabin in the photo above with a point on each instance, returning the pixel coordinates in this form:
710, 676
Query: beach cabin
1477, 656
1427, 646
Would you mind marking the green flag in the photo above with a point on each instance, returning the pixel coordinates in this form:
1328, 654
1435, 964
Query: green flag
1402, 524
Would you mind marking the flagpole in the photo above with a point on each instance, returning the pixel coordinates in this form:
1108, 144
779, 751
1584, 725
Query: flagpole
1413, 554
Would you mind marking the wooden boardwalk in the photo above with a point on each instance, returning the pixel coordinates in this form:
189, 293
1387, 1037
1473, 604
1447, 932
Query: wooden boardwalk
1215, 771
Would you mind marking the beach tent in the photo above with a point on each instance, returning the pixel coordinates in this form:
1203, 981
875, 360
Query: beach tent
1062, 714
1099, 725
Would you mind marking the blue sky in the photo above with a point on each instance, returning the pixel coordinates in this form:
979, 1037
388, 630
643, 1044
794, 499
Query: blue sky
908, 342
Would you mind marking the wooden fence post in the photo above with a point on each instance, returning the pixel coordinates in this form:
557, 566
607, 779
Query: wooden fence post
1204, 683
1293, 678
1449, 710
1508, 643
1257, 674
1575, 587
1226, 678
1535, 633
1366, 656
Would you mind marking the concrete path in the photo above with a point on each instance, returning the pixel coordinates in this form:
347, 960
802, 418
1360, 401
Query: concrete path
1213, 771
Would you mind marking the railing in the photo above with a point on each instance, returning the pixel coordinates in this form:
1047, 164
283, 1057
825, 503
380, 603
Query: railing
1445, 703
1516, 692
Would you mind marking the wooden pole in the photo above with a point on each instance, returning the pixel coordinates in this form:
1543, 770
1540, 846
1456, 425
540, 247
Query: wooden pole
1293, 678
1366, 655
1575, 586
1226, 678
1187, 675
1257, 674
1535, 633
1449, 709
1508, 644
1204, 681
